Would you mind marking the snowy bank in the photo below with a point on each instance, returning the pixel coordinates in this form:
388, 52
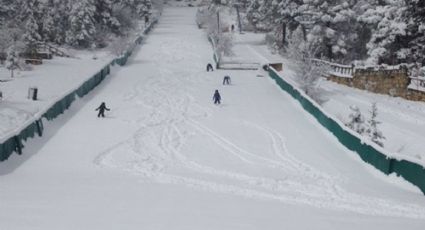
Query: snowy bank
23, 118
409, 168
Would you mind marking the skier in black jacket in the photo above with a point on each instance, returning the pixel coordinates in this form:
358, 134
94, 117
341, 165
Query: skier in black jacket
102, 109
226, 80
216, 97
210, 67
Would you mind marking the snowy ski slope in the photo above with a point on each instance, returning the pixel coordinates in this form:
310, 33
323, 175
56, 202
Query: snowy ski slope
165, 157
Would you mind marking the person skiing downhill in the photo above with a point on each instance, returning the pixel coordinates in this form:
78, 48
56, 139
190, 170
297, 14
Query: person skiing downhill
209, 67
226, 80
102, 109
216, 97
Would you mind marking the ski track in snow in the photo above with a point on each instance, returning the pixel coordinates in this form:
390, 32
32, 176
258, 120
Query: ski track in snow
173, 118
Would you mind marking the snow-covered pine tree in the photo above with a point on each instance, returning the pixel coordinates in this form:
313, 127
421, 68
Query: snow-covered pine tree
254, 14
32, 34
82, 24
415, 20
374, 133
242, 4
49, 30
331, 26
61, 12
31, 13
12, 60
357, 121
139, 8
144, 8
104, 15
289, 15
8, 9
389, 30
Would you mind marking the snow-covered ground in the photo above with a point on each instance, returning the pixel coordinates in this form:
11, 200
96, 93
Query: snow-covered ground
54, 79
165, 157
403, 121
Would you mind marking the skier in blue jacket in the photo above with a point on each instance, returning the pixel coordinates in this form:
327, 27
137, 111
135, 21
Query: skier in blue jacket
216, 97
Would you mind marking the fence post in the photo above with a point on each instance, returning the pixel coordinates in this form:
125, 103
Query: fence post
39, 124
18, 144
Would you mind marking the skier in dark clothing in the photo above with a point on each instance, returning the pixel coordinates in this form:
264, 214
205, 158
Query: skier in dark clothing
102, 109
209, 67
226, 80
216, 97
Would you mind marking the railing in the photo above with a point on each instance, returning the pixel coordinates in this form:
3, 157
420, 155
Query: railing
51, 49
336, 69
417, 84
239, 66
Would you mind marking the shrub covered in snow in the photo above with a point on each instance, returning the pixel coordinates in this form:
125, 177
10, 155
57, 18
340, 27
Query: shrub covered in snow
12, 60
374, 133
308, 72
367, 128
356, 120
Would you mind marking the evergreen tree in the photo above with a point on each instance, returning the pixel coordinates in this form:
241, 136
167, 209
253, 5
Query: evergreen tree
82, 24
290, 15
49, 29
389, 30
243, 4
30, 8
60, 12
8, 9
374, 133
139, 8
104, 15
356, 121
32, 34
415, 20
331, 29
12, 60
253, 13
143, 7
31, 13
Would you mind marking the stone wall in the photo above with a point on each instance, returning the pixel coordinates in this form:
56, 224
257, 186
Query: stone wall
390, 82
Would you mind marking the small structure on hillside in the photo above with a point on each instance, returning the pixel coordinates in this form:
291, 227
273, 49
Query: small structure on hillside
277, 66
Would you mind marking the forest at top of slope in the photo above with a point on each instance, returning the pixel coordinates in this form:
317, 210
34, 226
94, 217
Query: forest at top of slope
78, 24
375, 31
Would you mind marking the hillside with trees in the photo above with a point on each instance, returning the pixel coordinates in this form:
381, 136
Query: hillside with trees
78, 24
377, 31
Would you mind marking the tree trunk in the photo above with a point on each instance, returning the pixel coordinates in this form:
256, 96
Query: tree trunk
239, 19
283, 34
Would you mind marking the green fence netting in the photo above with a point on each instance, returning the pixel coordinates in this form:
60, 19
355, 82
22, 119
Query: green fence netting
410, 171
15, 143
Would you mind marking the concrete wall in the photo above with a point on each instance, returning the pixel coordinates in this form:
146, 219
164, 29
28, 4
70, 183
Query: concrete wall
390, 82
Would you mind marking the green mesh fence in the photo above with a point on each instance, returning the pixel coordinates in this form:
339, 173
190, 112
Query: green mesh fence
410, 171
14, 144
